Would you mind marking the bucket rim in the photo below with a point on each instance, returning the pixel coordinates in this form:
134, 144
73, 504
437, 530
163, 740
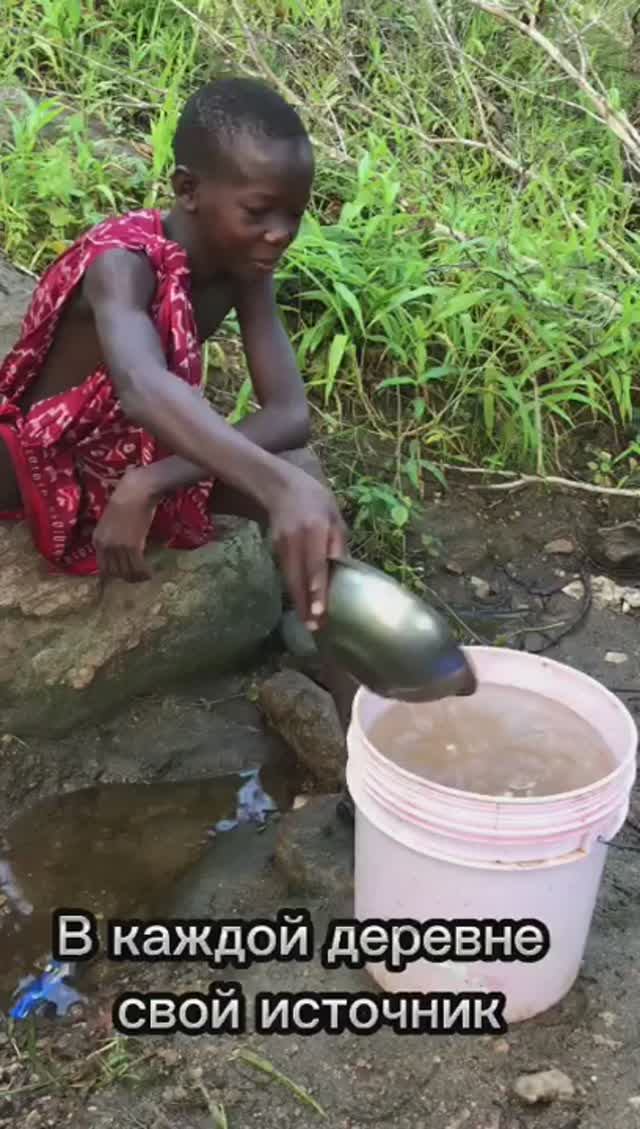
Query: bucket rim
426, 785
492, 832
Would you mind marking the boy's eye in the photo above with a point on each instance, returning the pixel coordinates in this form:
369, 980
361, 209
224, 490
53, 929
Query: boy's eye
256, 213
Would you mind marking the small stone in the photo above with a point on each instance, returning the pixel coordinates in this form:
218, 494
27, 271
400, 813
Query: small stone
172, 1094
606, 593
606, 1041
481, 587
608, 1018
562, 546
575, 589
631, 597
169, 1056
616, 657
306, 718
501, 1047
534, 642
544, 1086
299, 802
454, 568
635, 1102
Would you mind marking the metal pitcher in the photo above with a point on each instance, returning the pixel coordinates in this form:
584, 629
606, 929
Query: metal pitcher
389, 640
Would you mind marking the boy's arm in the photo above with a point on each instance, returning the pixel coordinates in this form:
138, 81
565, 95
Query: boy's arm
305, 522
282, 422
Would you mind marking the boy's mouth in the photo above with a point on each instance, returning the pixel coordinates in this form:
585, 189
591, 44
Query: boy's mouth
265, 265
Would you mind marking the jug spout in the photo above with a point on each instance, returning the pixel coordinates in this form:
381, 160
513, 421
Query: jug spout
454, 677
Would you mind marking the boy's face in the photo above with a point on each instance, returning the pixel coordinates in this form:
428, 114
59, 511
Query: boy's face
247, 219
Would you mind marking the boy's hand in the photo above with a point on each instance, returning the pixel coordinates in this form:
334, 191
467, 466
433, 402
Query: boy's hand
307, 531
121, 534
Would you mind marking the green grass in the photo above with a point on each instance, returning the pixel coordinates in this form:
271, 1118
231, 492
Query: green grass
467, 284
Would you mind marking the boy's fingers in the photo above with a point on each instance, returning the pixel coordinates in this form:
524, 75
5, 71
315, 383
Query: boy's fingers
293, 568
139, 570
337, 541
121, 561
316, 547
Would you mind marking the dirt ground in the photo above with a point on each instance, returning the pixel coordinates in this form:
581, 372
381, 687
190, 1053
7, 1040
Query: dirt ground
73, 1071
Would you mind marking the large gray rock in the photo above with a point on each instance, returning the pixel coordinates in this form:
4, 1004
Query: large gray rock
16, 289
53, 117
74, 650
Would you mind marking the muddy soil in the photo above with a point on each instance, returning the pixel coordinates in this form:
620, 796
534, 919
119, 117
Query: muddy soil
72, 1072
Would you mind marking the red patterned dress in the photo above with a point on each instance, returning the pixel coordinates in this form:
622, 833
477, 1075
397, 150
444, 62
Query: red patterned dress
70, 450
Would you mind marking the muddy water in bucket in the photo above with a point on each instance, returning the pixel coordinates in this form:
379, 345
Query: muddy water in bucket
493, 808
503, 741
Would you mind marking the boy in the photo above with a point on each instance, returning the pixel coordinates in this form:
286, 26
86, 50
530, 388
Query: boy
105, 438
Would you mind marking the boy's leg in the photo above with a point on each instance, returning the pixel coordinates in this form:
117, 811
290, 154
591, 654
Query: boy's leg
342, 687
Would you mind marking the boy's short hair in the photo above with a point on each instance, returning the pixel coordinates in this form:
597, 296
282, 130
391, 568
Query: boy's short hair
220, 110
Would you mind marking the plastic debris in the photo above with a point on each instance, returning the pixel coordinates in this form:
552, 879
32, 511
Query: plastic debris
35, 992
253, 804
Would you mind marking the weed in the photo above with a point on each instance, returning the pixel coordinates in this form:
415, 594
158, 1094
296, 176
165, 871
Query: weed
265, 1067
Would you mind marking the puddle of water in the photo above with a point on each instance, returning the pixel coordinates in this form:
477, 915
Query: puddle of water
117, 850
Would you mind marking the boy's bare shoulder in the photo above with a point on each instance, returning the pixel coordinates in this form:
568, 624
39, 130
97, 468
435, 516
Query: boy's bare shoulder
121, 276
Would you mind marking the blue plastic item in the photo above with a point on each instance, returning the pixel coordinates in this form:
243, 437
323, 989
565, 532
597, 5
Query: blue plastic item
34, 992
253, 804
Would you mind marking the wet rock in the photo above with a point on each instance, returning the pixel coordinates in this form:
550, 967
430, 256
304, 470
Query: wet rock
314, 851
562, 546
544, 1086
74, 650
305, 716
616, 657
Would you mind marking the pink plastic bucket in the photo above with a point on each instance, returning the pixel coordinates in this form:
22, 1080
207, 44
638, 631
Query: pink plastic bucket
426, 852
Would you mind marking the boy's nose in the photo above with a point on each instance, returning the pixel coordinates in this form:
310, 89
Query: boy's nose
278, 236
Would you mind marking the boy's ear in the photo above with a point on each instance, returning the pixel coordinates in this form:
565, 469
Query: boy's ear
185, 185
